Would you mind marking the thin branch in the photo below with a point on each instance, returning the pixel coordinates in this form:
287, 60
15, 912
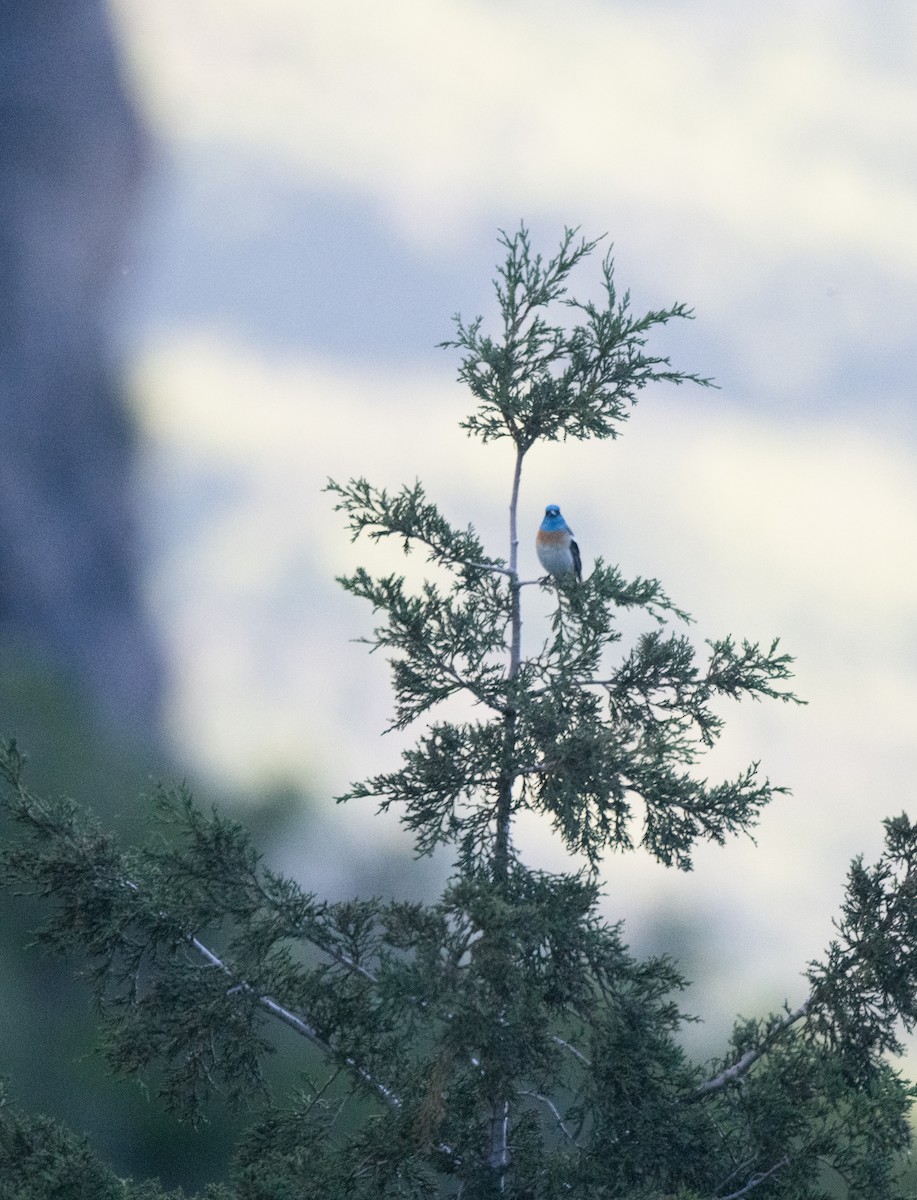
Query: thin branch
549, 1103
344, 960
756, 1180
489, 567
750, 1057
498, 1154
559, 1041
470, 687
294, 1021
422, 650
498, 1157
607, 683
317, 1095
546, 688
289, 1018
507, 771
337, 956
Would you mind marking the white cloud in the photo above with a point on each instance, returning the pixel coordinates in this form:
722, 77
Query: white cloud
778, 129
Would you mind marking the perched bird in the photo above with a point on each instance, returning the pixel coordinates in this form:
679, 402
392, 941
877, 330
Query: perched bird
557, 551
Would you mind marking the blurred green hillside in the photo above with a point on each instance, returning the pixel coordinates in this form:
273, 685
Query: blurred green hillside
47, 1037
48, 1043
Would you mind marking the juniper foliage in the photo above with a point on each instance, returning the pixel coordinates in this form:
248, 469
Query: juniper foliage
502, 1041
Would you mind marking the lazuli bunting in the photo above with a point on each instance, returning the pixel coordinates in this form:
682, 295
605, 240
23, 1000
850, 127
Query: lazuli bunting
558, 553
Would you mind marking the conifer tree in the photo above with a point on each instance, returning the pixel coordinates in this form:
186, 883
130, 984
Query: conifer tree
501, 1041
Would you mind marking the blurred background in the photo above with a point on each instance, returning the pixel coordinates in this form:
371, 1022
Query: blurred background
232, 235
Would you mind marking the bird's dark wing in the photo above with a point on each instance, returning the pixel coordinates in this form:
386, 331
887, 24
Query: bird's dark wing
577, 562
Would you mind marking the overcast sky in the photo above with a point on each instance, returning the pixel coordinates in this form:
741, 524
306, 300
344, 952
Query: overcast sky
327, 187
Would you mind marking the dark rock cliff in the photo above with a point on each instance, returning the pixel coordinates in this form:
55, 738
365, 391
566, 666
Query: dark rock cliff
71, 160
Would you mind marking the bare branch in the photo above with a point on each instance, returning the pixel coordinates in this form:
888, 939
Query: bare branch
498, 1158
291, 1019
756, 1180
490, 567
559, 1041
549, 1103
466, 684
750, 1057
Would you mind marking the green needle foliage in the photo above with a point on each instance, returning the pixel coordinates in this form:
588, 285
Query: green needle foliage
502, 1041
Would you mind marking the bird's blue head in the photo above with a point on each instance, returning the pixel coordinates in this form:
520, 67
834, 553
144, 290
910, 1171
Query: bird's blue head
552, 518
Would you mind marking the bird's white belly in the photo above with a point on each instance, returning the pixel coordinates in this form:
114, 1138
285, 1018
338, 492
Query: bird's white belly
555, 558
